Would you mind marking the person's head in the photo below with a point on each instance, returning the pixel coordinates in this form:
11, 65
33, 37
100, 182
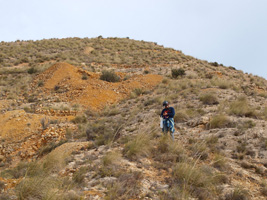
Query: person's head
166, 104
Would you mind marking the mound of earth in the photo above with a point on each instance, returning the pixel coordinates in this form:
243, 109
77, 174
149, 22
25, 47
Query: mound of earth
22, 133
66, 83
18, 124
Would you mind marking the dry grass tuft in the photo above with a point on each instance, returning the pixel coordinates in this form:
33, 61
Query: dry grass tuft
239, 193
220, 121
168, 151
241, 108
127, 186
198, 181
140, 146
209, 99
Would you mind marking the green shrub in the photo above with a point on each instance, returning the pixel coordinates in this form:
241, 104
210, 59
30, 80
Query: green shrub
32, 70
40, 83
109, 76
178, 72
215, 64
209, 99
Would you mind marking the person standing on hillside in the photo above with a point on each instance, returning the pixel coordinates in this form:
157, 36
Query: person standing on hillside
168, 122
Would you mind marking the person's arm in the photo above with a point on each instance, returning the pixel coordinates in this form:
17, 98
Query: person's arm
161, 115
172, 113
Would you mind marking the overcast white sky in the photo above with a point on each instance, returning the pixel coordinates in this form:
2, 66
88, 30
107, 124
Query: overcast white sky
231, 32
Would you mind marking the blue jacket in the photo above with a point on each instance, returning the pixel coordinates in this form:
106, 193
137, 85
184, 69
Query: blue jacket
170, 113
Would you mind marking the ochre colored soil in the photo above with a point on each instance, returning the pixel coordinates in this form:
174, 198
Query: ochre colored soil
65, 81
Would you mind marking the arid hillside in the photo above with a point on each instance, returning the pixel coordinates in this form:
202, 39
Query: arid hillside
79, 119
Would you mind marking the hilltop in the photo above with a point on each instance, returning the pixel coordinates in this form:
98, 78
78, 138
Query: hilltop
80, 120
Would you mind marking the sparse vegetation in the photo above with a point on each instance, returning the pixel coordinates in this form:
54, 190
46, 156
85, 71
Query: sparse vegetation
140, 146
220, 121
239, 193
127, 157
198, 181
109, 76
127, 186
209, 99
79, 119
221, 83
220, 162
178, 72
32, 70
78, 176
241, 108
45, 123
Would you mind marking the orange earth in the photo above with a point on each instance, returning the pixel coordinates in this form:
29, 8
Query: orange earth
91, 93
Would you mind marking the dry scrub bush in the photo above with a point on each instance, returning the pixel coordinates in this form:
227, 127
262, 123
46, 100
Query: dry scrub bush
137, 92
38, 182
168, 151
199, 150
79, 119
113, 157
220, 121
221, 83
36, 187
219, 162
198, 181
181, 116
16, 172
176, 192
105, 130
127, 186
110, 165
209, 99
79, 175
241, 108
239, 193
139, 146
